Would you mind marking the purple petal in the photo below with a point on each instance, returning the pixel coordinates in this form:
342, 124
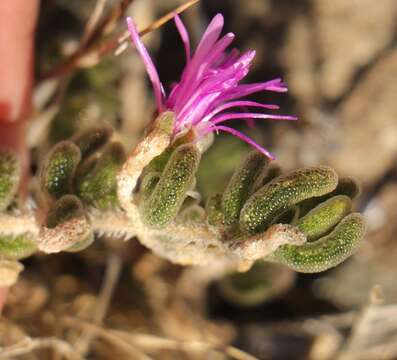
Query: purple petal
195, 71
212, 86
200, 56
247, 89
229, 59
246, 139
234, 116
210, 35
184, 36
239, 104
150, 68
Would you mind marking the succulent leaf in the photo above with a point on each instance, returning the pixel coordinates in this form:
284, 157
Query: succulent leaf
240, 185
346, 186
9, 178
324, 217
268, 174
326, 252
63, 210
349, 187
169, 193
159, 162
282, 193
92, 139
262, 282
17, 246
96, 179
66, 226
148, 184
59, 168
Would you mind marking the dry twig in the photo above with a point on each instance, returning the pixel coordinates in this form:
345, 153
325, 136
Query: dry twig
93, 21
28, 345
109, 284
90, 52
154, 342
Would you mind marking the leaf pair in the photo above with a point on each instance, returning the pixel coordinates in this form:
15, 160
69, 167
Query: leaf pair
310, 200
85, 165
76, 173
164, 188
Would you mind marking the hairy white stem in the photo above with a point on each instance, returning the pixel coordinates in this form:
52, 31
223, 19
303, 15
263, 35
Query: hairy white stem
17, 224
258, 246
183, 242
150, 147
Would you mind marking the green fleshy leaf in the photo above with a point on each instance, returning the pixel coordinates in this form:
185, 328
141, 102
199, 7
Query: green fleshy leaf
240, 185
158, 164
67, 227
66, 208
165, 122
148, 184
10, 172
328, 251
268, 174
346, 186
282, 193
59, 168
324, 217
92, 139
259, 284
96, 179
349, 187
17, 246
168, 195
225, 155
69, 118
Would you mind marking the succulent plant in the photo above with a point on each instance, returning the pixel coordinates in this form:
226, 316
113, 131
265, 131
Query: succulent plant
302, 219
161, 206
258, 216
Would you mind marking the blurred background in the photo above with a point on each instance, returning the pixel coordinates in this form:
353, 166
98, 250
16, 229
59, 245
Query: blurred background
339, 59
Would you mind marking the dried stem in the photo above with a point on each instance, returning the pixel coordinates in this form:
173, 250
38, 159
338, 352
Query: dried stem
112, 273
28, 345
108, 336
153, 342
93, 22
89, 54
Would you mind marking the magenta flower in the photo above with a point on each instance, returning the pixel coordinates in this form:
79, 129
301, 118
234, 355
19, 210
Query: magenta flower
209, 84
